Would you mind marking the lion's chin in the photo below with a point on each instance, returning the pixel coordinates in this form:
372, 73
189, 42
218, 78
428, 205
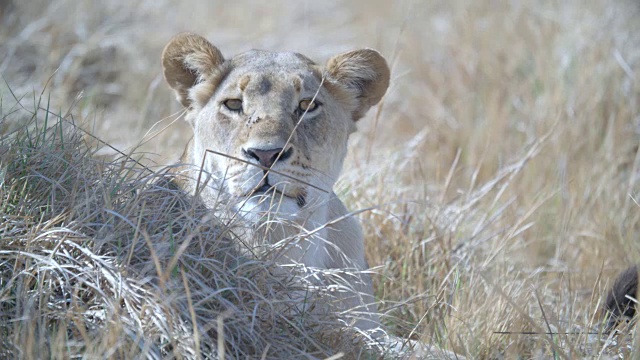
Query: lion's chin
268, 206
273, 193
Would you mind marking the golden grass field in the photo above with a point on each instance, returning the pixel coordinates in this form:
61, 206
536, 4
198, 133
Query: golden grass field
501, 169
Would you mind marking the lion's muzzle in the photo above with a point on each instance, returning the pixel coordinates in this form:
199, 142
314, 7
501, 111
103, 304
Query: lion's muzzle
268, 157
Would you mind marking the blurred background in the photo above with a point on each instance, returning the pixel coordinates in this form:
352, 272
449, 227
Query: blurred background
507, 144
104, 57
457, 65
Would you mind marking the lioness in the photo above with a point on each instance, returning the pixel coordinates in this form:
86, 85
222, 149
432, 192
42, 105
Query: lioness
270, 131
284, 121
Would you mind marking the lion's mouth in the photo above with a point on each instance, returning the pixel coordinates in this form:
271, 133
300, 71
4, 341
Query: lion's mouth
266, 188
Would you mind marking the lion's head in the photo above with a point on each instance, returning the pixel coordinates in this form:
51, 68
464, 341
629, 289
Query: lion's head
272, 110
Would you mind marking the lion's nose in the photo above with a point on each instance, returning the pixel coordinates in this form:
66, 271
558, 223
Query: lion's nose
266, 158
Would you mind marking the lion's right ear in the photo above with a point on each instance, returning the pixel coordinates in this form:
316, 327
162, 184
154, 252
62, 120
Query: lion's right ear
364, 74
187, 60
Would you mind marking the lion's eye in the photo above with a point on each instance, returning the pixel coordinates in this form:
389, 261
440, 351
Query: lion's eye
307, 105
233, 104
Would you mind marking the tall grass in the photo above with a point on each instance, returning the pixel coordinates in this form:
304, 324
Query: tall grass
501, 167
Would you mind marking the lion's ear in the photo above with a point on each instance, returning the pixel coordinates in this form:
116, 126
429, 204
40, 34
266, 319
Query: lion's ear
187, 60
364, 73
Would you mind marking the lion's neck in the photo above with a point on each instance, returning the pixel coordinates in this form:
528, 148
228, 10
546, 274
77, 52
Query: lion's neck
299, 237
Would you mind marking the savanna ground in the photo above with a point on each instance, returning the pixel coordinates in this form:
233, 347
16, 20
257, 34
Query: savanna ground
499, 177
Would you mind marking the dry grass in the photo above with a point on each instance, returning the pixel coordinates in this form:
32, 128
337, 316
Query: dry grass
505, 201
110, 260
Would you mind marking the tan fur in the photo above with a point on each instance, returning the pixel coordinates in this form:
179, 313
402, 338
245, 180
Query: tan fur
271, 85
311, 226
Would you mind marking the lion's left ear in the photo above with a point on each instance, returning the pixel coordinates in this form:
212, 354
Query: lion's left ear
186, 60
364, 73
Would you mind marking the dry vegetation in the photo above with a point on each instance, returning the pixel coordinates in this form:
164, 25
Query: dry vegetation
501, 170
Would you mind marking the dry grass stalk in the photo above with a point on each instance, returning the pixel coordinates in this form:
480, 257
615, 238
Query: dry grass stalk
464, 226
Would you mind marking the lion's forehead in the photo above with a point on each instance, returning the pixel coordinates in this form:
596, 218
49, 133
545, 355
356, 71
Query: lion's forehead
270, 82
262, 71
263, 59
